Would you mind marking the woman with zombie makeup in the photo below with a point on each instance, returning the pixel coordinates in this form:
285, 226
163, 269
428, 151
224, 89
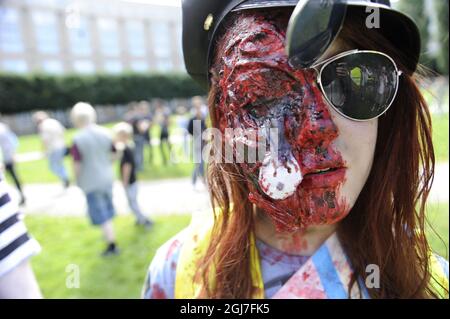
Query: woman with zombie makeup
336, 207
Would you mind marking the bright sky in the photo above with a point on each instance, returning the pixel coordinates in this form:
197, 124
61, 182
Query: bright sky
172, 3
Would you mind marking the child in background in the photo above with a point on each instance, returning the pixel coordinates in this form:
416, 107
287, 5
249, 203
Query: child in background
92, 153
123, 134
51, 132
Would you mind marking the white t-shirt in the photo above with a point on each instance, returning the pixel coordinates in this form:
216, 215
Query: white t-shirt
52, 134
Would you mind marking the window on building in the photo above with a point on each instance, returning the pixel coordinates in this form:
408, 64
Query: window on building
135, 34
108, 35
180, 66
14, 65
10, 36
139, 66
79, 37
113, 66
83, 66
164, 64
162, 46
46, 31
52, 66
51, 3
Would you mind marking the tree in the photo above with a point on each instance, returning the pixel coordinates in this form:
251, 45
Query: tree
430, 16
441, 7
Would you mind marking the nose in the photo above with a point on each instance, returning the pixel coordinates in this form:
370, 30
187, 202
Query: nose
316, 129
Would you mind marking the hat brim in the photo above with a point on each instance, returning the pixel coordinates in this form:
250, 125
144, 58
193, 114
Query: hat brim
255, 4
398, 28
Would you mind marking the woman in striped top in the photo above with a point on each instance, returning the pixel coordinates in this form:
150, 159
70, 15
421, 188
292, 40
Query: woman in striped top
16, 247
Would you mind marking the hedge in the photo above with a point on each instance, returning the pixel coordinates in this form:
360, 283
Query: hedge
26, 93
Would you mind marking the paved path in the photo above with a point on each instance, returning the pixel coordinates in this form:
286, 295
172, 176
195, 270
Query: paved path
173, 196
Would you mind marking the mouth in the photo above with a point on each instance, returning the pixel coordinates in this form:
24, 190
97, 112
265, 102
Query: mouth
323, 171
324, 177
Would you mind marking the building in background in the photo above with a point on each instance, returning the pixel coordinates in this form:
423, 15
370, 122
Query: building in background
84, 36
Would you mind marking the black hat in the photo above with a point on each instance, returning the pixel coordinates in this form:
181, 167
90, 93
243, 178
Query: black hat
202, 19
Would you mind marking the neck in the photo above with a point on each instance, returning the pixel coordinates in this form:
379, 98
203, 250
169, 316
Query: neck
303, 242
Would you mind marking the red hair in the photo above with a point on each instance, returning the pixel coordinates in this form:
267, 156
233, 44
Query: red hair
385, 226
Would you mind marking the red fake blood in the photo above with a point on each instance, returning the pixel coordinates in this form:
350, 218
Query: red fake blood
173, 246
158, 292
258, 88
305, 276
295, 244
272, 256
303, 285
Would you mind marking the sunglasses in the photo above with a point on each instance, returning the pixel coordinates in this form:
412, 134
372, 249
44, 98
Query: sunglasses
360, 85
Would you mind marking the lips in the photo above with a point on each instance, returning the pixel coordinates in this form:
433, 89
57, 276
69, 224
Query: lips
324, 178
322, 171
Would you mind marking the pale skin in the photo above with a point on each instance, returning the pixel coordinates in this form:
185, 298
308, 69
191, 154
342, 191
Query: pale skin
356, 142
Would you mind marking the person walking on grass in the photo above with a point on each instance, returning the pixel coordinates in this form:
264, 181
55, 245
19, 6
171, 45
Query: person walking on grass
8, 147
123, 135
51, 133
196, 127
141, 121
92, 152
164, 141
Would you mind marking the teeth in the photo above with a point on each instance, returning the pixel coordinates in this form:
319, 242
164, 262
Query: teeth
323, 170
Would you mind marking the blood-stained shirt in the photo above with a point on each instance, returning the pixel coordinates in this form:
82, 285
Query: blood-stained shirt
276, 267
325, 275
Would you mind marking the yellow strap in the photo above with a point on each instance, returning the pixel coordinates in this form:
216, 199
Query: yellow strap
196, 243
439, 280
255, 268
187, 286
193, 248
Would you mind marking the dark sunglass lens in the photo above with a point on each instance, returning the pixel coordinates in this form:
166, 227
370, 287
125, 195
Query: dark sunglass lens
361, 85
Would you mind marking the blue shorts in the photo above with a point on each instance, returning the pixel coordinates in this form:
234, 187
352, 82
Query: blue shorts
100, 207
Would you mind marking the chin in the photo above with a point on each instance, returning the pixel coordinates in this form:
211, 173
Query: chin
305, 208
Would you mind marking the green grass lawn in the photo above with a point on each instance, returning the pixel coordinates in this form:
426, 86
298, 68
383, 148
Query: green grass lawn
440, 137
71, 240
437, 228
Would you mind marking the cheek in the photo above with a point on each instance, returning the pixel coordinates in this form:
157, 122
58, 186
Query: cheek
356, 142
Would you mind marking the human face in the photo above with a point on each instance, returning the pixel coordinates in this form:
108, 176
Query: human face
323, 159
